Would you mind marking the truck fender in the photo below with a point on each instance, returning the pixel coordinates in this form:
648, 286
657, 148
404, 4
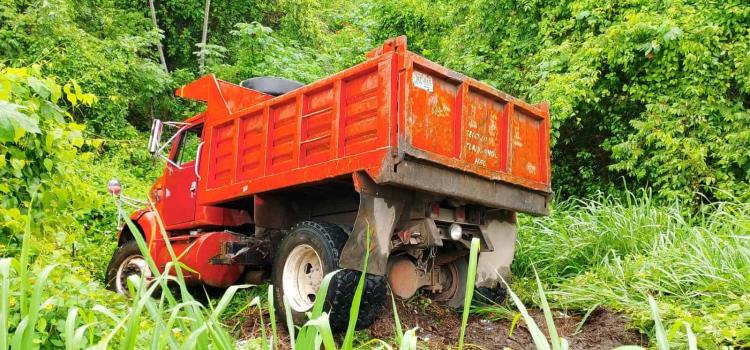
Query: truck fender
500, 232
380, 209
145, 221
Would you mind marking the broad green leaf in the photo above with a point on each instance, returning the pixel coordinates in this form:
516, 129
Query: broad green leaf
39, 87
13, 123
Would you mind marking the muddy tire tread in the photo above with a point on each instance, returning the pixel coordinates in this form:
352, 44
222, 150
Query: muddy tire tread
344, 284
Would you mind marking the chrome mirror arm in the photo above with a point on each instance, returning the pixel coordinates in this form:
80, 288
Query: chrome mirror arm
160, 152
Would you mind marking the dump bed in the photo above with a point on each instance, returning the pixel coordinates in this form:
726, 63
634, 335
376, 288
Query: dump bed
394, 107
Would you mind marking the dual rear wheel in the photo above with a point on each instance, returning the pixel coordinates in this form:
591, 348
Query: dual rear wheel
307, 253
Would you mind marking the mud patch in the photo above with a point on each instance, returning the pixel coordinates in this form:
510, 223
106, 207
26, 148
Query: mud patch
438, 328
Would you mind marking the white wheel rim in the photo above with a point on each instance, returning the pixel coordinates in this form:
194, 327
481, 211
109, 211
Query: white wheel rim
301, 278
132, 265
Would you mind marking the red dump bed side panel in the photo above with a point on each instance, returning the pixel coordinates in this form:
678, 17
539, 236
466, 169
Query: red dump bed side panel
329, 128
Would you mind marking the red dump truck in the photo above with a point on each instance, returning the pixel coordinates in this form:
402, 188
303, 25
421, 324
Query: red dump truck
283, 180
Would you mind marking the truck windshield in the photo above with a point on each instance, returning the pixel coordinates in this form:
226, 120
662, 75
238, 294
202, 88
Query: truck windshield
189, 145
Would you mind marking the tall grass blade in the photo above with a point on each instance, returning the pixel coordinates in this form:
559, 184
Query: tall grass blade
586, 316
107, 312
78, 338
34, 304
143, 246
18, 337
540, 341
692, 340
409, 341
514, 323
191, 341
661, 335
23, 272
70, 328
321, 323
554, 337
397, 321
272, 316
470, 279
226, 299
196, 316
263, 335
143, 295
4, 301
306, 337
289, 322
357, 299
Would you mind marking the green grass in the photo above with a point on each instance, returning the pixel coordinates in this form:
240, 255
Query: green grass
619, 253
683, 277
169, 319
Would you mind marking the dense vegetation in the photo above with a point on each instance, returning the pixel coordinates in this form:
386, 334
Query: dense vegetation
644, 95
616, 253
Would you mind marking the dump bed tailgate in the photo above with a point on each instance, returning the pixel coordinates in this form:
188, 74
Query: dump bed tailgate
461, 123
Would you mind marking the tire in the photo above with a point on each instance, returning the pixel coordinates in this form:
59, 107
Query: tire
271, 85
489, 296
327, 242
482, 295
126, 260
457, 301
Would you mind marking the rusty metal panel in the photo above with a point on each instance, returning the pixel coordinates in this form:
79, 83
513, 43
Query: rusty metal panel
482, 122
527, 157
467, 125
433, 110
428, 177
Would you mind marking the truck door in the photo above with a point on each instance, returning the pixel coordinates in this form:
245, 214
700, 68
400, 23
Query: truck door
181, 182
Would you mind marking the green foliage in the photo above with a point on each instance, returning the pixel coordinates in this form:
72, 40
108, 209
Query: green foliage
40, 152
652, 92
655, 92
615, 253
107, 50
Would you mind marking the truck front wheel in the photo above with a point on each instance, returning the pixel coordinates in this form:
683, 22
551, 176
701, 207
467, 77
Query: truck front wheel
306, 254
126, 261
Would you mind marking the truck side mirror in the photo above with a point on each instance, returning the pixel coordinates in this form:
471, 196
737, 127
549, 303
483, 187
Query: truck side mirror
155, 139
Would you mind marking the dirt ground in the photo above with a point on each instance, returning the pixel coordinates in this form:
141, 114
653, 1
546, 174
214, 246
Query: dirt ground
439, 329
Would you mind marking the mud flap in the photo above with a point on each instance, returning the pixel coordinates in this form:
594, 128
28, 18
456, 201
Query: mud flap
380, 209
500, 232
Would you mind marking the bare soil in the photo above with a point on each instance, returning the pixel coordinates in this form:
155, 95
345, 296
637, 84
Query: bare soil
438, 328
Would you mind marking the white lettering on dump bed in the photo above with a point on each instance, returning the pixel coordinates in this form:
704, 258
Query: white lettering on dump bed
422, 81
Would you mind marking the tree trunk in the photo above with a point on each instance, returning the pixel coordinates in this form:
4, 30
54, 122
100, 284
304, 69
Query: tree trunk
158, 43
204, 38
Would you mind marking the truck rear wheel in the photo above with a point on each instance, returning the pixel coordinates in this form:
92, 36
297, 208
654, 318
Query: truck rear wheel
306, 254
482, 295
126, 261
